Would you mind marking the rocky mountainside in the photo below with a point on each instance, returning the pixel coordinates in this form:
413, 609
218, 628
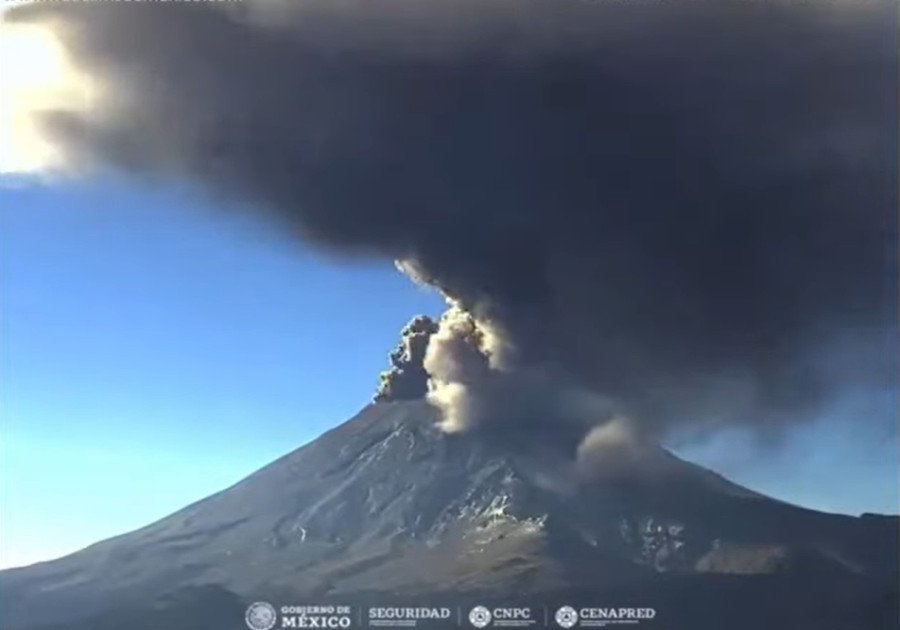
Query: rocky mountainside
388, 506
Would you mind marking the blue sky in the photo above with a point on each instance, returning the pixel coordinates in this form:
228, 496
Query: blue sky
156, 349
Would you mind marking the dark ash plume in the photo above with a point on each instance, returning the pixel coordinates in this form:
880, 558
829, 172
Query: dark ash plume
686, 207
406, 379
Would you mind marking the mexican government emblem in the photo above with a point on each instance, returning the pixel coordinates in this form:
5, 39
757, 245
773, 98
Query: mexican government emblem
261, 616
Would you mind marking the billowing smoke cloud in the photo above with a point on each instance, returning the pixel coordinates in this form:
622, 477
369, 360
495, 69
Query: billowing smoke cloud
407, 379
685, 208
470, 381
611, 449
458, 362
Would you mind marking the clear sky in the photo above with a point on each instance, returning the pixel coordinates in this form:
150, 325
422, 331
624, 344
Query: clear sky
156, 350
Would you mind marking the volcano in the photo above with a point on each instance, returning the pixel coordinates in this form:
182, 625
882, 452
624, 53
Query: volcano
387, 507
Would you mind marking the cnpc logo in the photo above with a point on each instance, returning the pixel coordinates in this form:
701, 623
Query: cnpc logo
481, 616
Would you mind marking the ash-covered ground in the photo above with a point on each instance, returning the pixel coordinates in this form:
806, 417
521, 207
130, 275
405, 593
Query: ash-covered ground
387, 507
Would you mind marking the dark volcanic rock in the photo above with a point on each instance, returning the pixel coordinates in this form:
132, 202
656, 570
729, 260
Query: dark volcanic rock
387, 506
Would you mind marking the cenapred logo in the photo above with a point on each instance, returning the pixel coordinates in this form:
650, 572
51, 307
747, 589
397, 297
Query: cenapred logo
587, 617
261, 616
566, 617
480, 617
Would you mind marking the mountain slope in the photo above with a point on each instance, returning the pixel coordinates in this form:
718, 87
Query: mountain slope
386, 503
